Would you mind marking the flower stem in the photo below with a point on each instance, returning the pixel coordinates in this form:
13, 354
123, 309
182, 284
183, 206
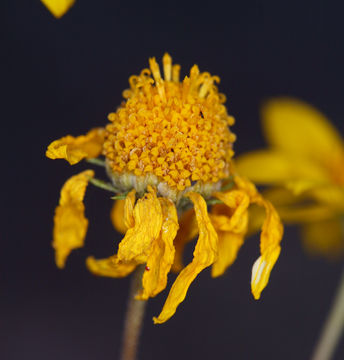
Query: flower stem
134, 317
333, 327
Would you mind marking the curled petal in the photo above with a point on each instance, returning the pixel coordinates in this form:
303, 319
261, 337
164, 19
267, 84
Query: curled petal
138, 240
161, 257
117, 216
204, 255
110, 267
129, 204
58, 7
70, 224
229, 246
187, 231
270, 239
73, 149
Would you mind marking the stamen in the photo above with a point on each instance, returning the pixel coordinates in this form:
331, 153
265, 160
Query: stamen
167, 63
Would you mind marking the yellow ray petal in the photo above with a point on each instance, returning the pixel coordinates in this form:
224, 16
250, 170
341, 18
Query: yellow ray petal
188, 230
117, 216
270, 239
129, 204
330, 195
204, 255
296, 127
58, 7
229, 246
73, 149
324, 238
273, 167
138, 240
110, 267
230, 222
161, 257
70, 224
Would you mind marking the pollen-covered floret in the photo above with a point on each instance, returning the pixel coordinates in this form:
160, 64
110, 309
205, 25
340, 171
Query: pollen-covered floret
177, 131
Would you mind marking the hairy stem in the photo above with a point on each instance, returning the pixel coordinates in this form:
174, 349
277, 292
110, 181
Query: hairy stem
134, 318
333, 327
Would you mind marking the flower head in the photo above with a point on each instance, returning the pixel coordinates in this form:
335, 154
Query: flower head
305, 171
168, 152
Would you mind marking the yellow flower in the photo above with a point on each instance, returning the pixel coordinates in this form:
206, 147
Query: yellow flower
58, 7
168, 152
305, 167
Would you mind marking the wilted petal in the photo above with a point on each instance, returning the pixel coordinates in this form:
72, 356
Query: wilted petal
270, 238
117, 216
58, 7
161, 257
188, 229
110, 267
138, 240
204, 255
74, 149
70, 224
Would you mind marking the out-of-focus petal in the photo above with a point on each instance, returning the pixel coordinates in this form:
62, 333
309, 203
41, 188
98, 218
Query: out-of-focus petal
270, 239
58, 7
274, 167
138, 240
188, 230
330, 195
161, 257
296, 127
70, 223
117, 216
324, 238
74, 149
204, 255
110, 267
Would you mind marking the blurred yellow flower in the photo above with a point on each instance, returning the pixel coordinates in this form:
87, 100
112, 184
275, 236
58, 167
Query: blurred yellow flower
58, 7
304, 167
168, 152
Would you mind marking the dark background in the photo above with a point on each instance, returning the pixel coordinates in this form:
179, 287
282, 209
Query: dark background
64, 77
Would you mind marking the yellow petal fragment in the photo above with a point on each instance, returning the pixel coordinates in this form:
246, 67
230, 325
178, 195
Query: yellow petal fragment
74, 149
161, 257
204, 255
110, 267
188, 230
138, 240
274, 167
331, 195
70, 223
129, 204
58, 7
324, 238
270, 238
229, 246
117, 216
230, 222
296, 127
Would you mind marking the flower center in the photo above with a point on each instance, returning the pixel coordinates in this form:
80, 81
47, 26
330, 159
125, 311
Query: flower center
172, 131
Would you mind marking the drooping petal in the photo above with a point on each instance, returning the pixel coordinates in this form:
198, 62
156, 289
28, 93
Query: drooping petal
122, 213
117, 216
296, 127
74, 149
188, 230
161, 257
324, 238
204, 255
110, 267
70, 224
58, 7
229, 246
138, 239
270, 239
277, 168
